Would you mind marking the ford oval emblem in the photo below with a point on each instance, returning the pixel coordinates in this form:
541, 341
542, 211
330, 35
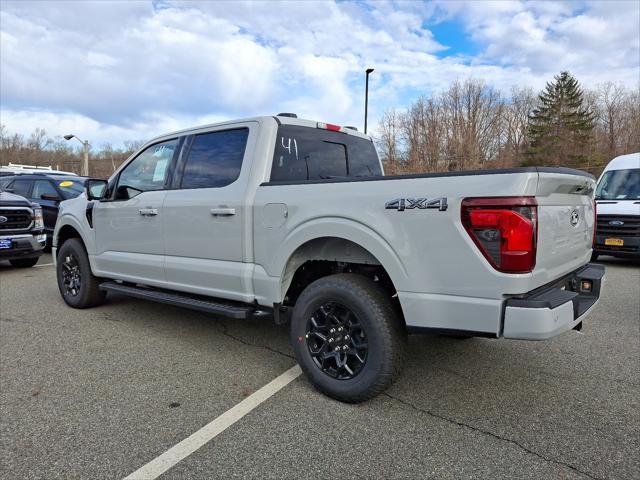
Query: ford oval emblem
575, 218
616, 223
3, 219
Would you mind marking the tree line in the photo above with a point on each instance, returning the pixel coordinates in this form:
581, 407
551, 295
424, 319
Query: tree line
42, 150
471, 125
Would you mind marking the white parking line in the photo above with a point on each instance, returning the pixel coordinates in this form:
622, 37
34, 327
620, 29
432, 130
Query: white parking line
44, 265
186, 447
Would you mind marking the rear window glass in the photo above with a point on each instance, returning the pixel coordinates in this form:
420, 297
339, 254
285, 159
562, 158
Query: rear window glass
22, 187
305, 153
215, 159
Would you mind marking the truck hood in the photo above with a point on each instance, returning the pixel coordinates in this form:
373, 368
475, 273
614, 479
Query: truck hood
618, 207
12, 200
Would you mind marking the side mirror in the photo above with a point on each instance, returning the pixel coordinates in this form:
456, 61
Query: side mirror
95, 189
46, 196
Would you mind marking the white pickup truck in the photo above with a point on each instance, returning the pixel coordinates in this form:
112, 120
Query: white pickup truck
294, 220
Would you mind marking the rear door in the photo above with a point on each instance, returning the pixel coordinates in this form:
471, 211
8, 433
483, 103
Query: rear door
566, 218
206, 217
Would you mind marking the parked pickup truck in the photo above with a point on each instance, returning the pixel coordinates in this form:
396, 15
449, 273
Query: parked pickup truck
294, 220
22, 236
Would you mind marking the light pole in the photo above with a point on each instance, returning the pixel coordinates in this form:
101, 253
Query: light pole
366, 97
85, 151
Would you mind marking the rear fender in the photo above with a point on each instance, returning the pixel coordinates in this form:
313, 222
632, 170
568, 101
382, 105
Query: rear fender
374, 249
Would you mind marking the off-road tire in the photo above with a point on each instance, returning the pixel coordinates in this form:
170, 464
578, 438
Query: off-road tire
385, 335
88, 294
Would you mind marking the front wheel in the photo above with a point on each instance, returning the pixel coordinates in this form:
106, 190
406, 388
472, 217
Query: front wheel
347, 337
77, 285
24, 262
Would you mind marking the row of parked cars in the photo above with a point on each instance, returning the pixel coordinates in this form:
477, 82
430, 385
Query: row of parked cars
29, 203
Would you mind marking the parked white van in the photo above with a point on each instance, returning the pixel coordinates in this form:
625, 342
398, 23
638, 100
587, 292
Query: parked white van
618, 208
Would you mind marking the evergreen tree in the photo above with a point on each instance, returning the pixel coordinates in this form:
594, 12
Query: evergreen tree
560, 127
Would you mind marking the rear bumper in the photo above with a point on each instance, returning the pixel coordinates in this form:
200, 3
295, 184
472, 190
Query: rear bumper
554, 309
23, 246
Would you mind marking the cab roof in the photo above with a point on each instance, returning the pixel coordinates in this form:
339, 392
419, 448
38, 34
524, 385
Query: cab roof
282, 120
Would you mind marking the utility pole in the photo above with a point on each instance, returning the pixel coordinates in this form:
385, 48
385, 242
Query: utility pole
366, 97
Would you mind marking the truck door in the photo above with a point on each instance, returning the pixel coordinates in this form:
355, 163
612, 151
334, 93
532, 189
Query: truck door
128, 226
207, 219
49, 199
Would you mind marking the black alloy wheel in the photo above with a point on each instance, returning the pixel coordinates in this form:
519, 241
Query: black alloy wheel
337, 341
347, 336
71, 276
77, 284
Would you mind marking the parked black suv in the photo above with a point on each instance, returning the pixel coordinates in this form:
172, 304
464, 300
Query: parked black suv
46, 190
22, 237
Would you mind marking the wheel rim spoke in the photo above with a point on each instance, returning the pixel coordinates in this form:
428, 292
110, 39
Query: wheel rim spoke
337, 341
71, 276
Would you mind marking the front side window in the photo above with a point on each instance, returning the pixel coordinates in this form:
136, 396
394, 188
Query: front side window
215, 159
44, 187
22, 187
148, 171
306, 153
619, 185
70, 187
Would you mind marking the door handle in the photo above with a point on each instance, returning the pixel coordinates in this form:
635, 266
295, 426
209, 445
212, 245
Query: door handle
223, 212
148, 212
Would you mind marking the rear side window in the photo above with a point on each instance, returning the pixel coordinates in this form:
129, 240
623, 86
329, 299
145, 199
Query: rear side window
305, 153
22, 187
215, 159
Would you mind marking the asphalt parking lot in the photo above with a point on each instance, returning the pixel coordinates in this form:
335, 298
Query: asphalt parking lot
99, 393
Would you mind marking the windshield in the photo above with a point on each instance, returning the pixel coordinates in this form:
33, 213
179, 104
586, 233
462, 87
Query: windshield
619, 185
70, 187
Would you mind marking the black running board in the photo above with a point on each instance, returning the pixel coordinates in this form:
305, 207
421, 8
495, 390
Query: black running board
228, 310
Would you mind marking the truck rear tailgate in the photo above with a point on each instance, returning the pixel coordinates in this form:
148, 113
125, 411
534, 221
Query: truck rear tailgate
566, 219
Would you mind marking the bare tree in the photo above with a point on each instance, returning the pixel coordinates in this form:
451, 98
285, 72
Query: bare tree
389, 131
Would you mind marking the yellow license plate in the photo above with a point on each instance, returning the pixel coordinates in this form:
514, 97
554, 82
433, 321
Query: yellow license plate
616, 242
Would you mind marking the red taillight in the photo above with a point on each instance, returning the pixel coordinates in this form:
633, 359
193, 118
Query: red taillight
504, 229
329, 126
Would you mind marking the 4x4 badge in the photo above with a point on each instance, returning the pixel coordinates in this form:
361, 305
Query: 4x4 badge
402, 204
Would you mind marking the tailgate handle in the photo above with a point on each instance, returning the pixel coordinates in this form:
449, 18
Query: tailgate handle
148, 212
223, 212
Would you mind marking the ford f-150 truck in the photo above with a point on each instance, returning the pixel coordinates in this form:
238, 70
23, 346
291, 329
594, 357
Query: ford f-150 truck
22, 237
294, 220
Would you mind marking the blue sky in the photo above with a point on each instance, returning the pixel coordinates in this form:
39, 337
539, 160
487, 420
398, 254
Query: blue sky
112, 71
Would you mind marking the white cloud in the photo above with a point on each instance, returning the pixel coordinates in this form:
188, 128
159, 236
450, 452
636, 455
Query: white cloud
128, 70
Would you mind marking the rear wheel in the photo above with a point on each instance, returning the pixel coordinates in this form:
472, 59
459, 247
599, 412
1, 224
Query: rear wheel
594, 256
78, 286
347, 337
24, 262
